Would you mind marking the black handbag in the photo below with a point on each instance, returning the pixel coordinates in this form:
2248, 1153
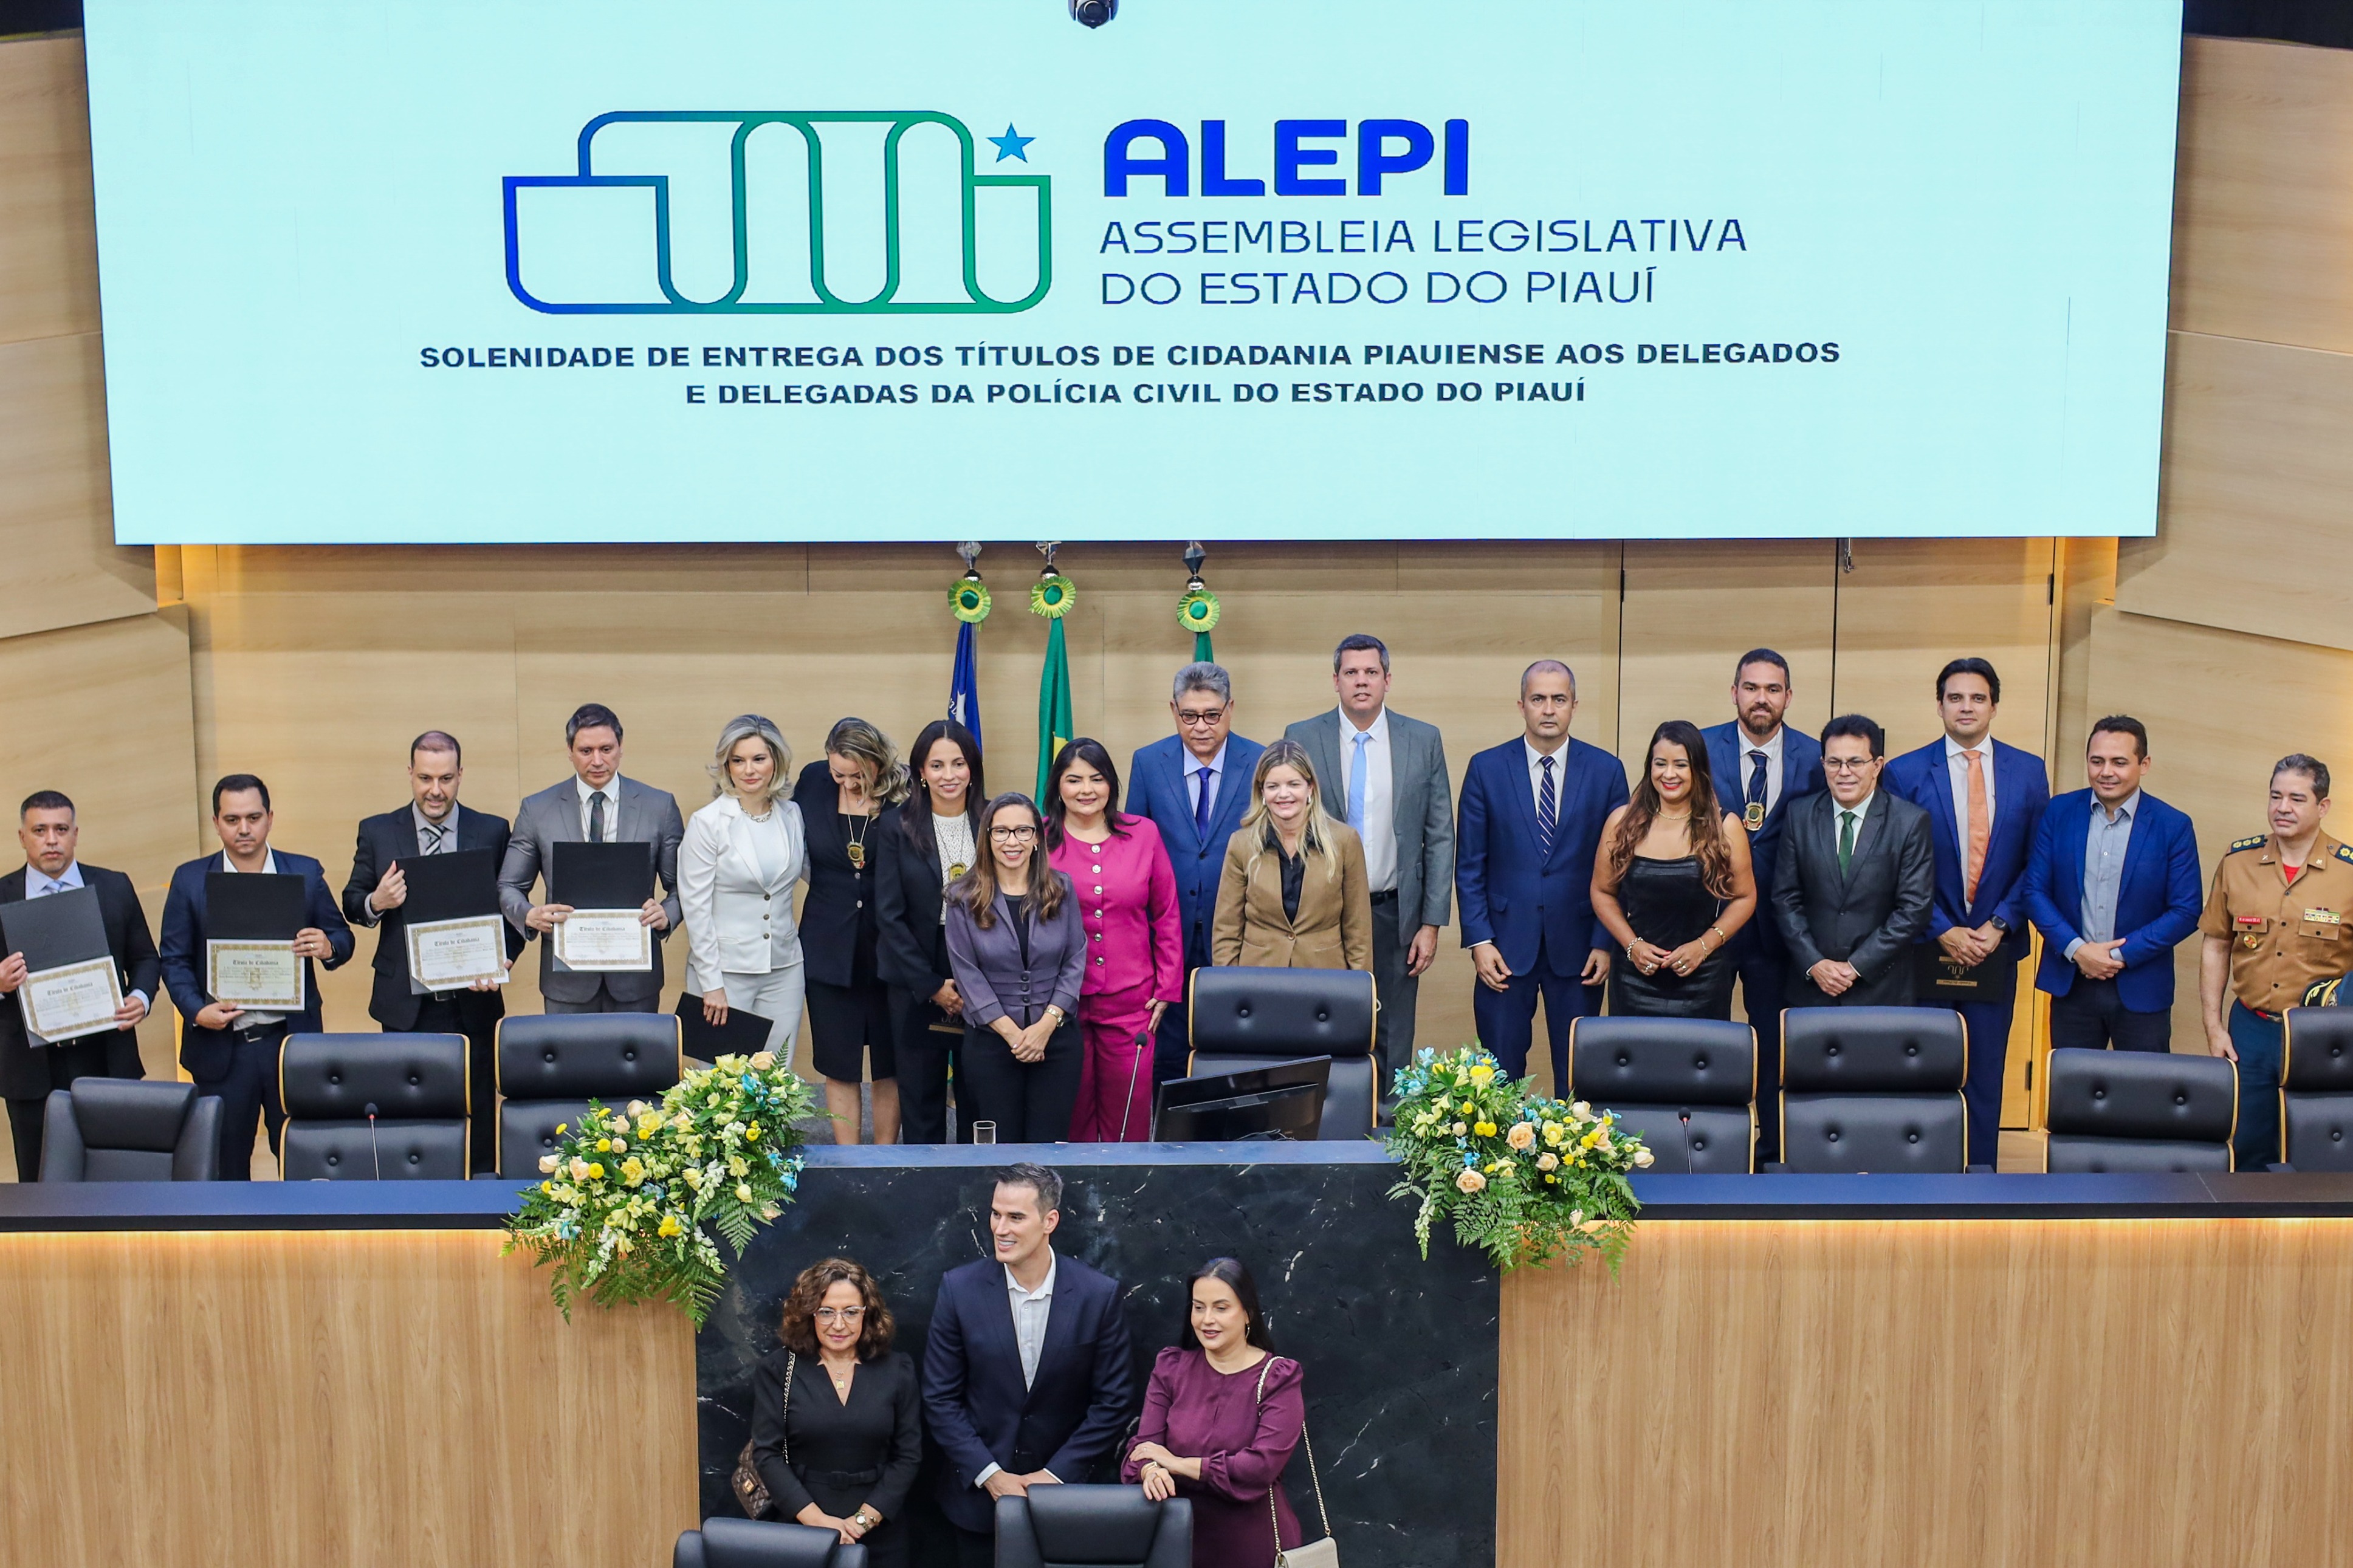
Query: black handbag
751, 1491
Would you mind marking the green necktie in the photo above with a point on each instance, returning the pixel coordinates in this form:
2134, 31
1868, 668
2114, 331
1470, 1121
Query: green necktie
1846, 839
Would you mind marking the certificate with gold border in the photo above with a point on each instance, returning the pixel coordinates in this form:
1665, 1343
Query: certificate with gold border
612, 940
72, 999
266, 976
444, 954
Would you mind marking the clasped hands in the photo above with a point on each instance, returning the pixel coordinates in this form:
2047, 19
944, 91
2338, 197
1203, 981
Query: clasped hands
1649, 957
1161, 1470
851, 1530
1030, 1044
547, 917
1005, 1483
1968, 948
2101, 959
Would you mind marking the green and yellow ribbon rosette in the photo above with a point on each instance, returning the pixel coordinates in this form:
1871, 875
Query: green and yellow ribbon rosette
1053, 595
1197, 611
970, 601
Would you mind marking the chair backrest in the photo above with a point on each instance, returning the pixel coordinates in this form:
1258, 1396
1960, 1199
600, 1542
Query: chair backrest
418, 1083
527, 1132
1873, 1089
1686, 1087
612, 1056
2139, 1111
1097, 1526
127, 1130
749, 1543
2317, 1090
1239, 1018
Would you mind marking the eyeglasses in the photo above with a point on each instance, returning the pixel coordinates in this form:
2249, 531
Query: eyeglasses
1848, 764
1194, 720
1012, 835
838, 1314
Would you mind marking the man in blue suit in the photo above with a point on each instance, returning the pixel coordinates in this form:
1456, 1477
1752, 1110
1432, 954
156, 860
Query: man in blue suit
233, 1052
1028, 1375
1762, 768
2114, 887
1984, 801
1196, 786
1530, 825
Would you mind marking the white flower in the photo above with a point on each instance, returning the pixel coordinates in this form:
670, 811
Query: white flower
547, 1164
742, 1192
1642, 1158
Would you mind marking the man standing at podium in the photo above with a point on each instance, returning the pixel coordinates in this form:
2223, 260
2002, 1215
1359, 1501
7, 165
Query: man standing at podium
430, 824
595, 806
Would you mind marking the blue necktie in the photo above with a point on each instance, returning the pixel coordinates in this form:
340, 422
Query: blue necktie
1547, 811
1757, 783
1201, 807
1356, 785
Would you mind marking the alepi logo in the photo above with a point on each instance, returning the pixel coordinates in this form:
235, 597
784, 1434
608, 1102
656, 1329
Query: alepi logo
782, 212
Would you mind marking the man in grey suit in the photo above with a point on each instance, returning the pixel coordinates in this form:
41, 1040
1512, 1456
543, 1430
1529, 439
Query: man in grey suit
597, 806
1385, 775
1855, 881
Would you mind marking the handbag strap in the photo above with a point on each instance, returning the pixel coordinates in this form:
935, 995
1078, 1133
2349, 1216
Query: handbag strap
784, 1427
1313, 1479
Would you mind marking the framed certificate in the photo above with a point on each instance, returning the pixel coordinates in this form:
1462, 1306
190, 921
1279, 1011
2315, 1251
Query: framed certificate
71, 1001
254, 973
445, 954
605, 939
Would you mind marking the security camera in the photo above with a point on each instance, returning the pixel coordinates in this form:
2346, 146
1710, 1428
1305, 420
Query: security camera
1094, 13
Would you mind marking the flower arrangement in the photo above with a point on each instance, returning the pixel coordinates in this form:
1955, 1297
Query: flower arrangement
1525, 1177
630, 1198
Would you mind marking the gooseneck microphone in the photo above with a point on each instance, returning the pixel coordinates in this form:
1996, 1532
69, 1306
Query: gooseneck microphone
372, 1149
1685, 1113
1143, 1044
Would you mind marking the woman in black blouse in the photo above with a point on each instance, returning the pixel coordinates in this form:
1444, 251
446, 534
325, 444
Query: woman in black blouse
841, 798
835, 1429
926, 843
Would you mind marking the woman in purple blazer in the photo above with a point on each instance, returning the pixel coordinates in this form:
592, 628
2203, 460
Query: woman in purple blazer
1019, 950
1221, 1416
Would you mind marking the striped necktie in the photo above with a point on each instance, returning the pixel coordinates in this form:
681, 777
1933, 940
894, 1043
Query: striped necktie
1547, 810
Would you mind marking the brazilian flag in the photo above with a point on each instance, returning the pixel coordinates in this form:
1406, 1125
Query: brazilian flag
1055, 729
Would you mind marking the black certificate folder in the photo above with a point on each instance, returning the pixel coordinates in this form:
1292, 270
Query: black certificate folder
260, 906
52, 932
451, 887
601, 876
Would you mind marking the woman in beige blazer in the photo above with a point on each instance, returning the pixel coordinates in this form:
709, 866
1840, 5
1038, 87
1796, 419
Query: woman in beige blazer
1294, 894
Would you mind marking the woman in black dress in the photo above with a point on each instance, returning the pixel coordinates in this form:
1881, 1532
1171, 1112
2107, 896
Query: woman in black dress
848, 1006
1672, 884
926, 844
836, 1430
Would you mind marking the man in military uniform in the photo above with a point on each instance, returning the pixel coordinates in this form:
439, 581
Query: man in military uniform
2274, 924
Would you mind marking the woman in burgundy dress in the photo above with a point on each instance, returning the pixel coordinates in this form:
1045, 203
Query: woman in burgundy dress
1221, 1419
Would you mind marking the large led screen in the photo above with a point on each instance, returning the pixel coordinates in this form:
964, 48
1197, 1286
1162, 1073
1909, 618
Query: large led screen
476, 270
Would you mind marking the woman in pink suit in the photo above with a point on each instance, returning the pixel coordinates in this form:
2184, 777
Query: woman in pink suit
1136, 962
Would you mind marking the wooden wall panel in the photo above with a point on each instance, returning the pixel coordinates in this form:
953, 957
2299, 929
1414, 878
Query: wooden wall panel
56, 521
297, 1398
2263, 231
2258, 462
48, 237
1942, 1395
1693, 608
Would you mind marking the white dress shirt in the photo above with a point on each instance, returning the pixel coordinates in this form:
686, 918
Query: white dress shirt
248, 1019
1379, 831
371, 916
1193, 766
1030, 1310
612, 793
1959, 766
1772, 750
39, 884
1861, 810
1535, 774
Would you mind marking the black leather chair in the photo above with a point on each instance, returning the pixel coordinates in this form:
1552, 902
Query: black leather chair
123, 1130
1687, 1087
757, 1543
1105, 1527
552, 1065
1873, 1089
418, 1084
2139, 1111
2317, 1091
1241, 1018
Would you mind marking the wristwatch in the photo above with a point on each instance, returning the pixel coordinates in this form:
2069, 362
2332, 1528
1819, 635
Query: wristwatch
2000, 924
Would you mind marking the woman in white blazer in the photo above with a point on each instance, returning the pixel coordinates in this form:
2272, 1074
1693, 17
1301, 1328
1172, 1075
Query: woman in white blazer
736, 869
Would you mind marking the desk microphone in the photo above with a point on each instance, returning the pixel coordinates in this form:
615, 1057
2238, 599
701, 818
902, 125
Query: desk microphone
1686, 1114
1134, 1073
379, 1153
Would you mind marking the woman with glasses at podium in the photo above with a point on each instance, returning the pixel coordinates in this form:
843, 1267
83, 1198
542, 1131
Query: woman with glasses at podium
1294, 894
1019, 953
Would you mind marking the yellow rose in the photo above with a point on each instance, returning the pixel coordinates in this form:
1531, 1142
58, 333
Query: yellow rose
1547, 1161
1471, 1180
632, 1170
1554, 1132
1482, 1075
1522, 1136
742, 1192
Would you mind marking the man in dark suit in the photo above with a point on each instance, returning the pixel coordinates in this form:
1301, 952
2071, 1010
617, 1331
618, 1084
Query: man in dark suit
1195, 785
1028, 1375
2113, 885
1853, 880
232, 1052
431, 824
1984, 801
1762, 769
597, 805
1385, 775
31, 1066
1532, 814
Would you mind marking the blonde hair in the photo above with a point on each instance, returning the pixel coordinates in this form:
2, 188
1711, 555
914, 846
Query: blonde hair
863, 742
1316, 834
752, 727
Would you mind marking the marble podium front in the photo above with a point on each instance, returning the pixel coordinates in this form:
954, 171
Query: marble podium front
1400, 1355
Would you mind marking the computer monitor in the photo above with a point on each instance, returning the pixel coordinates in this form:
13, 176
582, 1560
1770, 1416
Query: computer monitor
1284, 1099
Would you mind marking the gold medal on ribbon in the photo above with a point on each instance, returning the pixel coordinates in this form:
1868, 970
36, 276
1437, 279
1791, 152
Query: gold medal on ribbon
857, 855
1754, 817
958, 868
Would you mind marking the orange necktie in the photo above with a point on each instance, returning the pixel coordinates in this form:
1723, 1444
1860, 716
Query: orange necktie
1980, 824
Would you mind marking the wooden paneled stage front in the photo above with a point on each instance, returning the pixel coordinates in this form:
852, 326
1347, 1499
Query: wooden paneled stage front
1940, 1372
